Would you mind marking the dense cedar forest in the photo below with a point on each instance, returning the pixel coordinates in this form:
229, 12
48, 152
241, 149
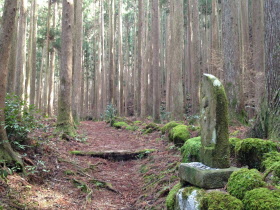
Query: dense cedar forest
66, 66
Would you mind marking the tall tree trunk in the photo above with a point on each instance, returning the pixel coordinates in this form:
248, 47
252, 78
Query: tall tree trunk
111, 72
11, 86
77, 71
65, 119
34, 56
177, 34
168, 64
258, 50
52, 68
231, 52
8, 25
156, 67
120, 101
139, 59
21, 49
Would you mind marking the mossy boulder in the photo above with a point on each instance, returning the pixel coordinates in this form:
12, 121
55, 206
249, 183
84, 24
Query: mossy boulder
120, 125
232, 144
179, 135
171, 197
168, 126
190, 151
189, 198
150, 128
244, 180
250, 151
271, 165
262, 199
217, 200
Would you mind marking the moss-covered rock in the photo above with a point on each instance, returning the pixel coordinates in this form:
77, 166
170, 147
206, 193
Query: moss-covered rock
244, 180
191, 150
220, 201
150, 128
271, 165
232, 144
179, 135
262, 199
132, 128
250, 151
171, 198
168, 126
119, 125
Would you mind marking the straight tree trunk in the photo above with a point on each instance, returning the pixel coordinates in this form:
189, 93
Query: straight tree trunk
11, 86
156, 59
77, 71
231, 52
139, 59
21, 49
8, 25
120, 64
177, 34
52, 68
34, 56
65, 119
258, 50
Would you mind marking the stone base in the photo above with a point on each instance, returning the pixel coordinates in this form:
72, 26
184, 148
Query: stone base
203, 176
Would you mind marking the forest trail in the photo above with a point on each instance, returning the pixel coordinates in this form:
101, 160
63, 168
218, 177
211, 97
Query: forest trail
84, 182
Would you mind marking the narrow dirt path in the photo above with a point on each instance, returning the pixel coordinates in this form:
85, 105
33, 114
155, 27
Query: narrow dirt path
124, 176
60, 180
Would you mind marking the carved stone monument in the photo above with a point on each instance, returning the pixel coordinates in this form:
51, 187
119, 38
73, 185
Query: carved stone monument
214, 169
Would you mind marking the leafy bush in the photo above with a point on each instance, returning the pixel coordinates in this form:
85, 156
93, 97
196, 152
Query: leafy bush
20, 118
110, 114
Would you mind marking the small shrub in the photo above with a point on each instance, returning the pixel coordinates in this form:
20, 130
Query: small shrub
191, 150
179, 135
250, 151
110, 114
168, 126
20, 118
220, 201
262, 199
244, 180
164, 115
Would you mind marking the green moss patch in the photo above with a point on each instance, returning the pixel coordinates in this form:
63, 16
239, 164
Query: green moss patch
262, 199
220, 201
171, 198
232, 144
191, 150
179, 135
120, 125
150, 128
244, 180
250, 151
168, 126
271, 165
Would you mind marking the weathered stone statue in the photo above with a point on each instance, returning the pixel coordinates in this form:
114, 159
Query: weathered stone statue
214, 123
214, 169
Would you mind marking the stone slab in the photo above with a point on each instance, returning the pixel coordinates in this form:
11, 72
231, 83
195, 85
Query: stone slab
203, 176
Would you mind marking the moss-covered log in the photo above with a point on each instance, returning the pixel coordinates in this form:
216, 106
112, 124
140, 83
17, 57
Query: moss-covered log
118, 155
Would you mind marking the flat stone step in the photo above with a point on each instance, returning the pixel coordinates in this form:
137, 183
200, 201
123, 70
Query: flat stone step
117, 155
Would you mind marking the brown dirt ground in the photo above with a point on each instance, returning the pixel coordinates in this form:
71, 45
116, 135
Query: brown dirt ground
135, 184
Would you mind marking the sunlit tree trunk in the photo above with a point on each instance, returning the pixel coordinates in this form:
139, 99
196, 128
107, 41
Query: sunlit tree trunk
21, 49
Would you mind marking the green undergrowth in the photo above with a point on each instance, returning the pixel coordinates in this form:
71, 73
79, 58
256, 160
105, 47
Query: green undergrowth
190, 151
250, 151
262, 199
244, 180
120, 125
